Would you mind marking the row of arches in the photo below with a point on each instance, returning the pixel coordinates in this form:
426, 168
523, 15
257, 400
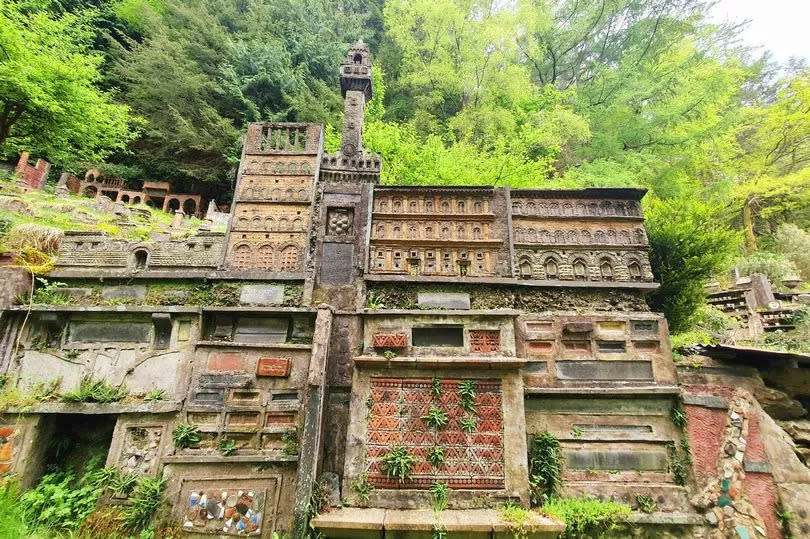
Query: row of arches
579, 268
274, 193
269, 224
266, 256
442, 231
604, 208
574, 237
430, 205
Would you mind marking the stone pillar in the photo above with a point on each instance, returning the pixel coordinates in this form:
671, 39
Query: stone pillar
354, 109
177, 222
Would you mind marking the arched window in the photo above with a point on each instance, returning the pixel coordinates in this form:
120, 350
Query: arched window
478, 207
189, 206
445, 233
413, 233
264, 257
525, 269
461, 208
284, 224
297, 224
429, 206
580, 270
396, 232
477, 233
634, 270
606, 269
136, 200
242, 256
289, 258
173, 205
380, 231
551, 268
460, 232
358, 58
397, 206
413, 206
140, 259
383, 207
257, 223
124, 198
428, 232
268, 223
445, 207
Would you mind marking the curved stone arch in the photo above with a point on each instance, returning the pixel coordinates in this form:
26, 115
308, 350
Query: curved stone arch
624, 237
289, 256
257, 223
611, 237
607, 264
579, 266
298, 224
517, 207
525, 266
243, 222
600, 236
269, 223
283, 224
190, 206
639, 236
550, 263
581, 209
568, 209
571, 237
585, 236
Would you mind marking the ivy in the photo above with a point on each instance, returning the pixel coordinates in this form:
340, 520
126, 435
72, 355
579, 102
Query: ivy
545, 463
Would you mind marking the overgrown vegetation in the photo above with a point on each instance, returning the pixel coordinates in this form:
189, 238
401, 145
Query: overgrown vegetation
91, 389
435, 455
290, 441
517, 517
227, 446
466, 390
646, 504
362, 488
439, 493
144, 502
545, 467
435, 418
586, 517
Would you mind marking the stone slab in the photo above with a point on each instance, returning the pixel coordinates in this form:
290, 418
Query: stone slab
757, 466
337, 264
124, 292
444, 300
601, 406
707, 401
109, 331
262, 294
616, 459
604, 370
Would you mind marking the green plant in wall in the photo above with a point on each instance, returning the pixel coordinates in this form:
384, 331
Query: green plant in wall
49, 293
545, 463
435, 418
92, 390
436, 387
186, 436
155, 394
678, 417
398, 462
145, 500
290, 441
466, 390
576, 432
122, 484
373, 301
227, 446
439, 493
362, 487
785, 517
389, 355
645, 504
468, 424
435, 456
678, 463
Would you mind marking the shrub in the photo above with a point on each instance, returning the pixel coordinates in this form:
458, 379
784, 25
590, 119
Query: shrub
586, 517
776, 267
688, 245
794, 243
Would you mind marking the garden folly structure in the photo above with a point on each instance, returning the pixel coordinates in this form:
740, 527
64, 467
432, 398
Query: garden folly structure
338, 322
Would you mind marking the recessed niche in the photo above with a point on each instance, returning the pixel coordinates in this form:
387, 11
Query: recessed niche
438, 336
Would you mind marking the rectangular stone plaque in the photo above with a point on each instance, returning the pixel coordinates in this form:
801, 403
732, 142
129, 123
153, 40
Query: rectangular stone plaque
273, 366
604, 370
109, 331
261, 329
444, 300
262, 294
337, 264
615, 459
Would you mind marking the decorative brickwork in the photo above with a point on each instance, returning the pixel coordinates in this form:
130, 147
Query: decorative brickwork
390, 340
278, 367
485, 341
472, 460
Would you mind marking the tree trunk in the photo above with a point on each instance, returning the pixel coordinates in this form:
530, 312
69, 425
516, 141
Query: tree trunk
748, 226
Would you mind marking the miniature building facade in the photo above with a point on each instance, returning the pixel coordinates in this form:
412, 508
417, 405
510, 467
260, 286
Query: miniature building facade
318, 333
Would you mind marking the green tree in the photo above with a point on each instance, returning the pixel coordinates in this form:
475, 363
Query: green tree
50, 100
688, 245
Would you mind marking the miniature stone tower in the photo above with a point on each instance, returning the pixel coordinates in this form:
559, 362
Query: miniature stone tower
352, 163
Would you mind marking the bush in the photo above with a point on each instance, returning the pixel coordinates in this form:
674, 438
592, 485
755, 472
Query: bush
775, 267
586, 517
794, 243
145, 500
689, 243
545, 463
92, 390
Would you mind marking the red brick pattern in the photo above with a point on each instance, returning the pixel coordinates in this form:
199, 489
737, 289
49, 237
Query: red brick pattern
472, 460
389, 340
278, 367
485, 341
761, 492
705, 434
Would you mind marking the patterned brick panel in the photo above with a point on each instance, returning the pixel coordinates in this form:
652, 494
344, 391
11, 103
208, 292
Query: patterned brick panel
761, 492
703, 427
273, 366
485, 341
389, 340
473, 460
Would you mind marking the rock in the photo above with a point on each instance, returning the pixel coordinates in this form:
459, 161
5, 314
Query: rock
711, 518
798, 430
778, 404
728, 511
77, 293
444, 300
729, 449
